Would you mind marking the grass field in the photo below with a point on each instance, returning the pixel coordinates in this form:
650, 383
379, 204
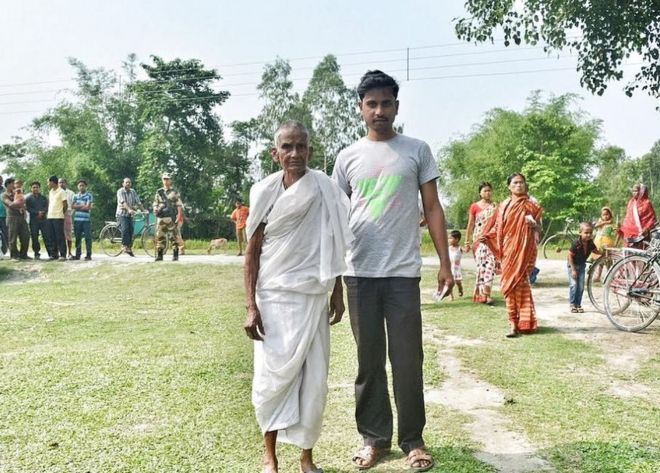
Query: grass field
136, 368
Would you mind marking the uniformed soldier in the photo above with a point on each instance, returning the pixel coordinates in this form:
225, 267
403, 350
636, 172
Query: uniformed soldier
168, 209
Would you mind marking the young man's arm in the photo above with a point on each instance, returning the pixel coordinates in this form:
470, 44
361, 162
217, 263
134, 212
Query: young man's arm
435, 217
253, 325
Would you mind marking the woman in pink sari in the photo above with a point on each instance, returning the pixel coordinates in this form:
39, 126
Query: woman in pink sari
640, 218
479, 214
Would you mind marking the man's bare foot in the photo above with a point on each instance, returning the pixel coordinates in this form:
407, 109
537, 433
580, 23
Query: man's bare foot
269, 467
307, 462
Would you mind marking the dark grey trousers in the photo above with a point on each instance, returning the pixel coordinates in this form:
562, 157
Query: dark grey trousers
386, 317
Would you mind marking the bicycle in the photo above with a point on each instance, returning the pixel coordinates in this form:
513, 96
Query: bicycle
632, 288
560, 242
144, 229
598, 271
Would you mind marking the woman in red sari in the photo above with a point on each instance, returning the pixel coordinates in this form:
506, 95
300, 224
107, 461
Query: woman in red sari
479, 215
640, 218
512, 237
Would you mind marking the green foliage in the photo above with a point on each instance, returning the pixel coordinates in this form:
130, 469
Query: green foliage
111, 129
548, 142
336, 123
327, 108
604, 33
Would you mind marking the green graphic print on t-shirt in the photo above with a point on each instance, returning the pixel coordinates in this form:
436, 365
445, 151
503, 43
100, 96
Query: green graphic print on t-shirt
378, 192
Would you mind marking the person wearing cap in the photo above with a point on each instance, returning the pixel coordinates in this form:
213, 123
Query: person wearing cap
169, 213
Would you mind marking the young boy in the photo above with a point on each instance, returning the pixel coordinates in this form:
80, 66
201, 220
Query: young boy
577, 262
455, 254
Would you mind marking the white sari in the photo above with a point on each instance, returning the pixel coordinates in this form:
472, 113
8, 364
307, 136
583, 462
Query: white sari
305, 239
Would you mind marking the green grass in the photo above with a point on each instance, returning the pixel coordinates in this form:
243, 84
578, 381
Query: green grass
557, 391
145, 368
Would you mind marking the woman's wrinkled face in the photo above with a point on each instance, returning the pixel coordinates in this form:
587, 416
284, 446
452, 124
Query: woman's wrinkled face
635, 190
518, 186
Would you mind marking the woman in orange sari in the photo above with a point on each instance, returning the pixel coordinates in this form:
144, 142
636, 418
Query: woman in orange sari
512, 237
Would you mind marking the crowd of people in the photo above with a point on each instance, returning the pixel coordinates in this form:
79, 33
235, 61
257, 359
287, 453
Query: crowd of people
307, 233
56, 219
62, 215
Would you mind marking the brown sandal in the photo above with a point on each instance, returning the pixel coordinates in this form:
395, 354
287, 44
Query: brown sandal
369, 456
418, 455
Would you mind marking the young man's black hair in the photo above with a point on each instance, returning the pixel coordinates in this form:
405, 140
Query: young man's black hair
53, 179
376, 80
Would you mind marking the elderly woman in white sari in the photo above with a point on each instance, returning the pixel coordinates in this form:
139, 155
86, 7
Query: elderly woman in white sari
297, 236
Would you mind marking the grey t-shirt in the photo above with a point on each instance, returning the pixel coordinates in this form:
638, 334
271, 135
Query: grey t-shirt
382, 179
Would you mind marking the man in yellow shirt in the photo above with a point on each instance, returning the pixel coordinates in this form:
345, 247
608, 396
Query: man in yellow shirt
57, 207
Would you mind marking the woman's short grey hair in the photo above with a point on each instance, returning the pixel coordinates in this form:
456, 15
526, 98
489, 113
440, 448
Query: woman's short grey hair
288, 126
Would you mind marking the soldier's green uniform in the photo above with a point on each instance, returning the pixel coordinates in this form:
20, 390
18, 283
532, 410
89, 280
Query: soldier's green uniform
167, 224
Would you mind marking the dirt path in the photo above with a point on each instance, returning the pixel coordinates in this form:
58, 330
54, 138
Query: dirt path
464, 392
507, 450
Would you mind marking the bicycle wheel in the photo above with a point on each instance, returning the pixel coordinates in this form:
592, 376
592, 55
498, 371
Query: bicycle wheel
595, 278
149, 240
632, 293
110, 240
558, 244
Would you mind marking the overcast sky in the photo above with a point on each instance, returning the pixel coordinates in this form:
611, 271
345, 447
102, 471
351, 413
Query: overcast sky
452, 84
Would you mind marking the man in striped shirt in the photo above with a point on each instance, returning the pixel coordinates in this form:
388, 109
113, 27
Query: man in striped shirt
82, 223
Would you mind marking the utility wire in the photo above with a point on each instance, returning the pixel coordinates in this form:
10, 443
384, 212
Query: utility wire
350, 74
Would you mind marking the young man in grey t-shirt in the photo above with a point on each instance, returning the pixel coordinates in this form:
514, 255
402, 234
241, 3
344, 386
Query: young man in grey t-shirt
383, 174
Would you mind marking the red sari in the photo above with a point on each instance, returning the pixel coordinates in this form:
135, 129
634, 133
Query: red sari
513, 242
639, 220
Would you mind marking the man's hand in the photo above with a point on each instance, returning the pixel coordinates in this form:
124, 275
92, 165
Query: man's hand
337, 307
445, 279
254, 327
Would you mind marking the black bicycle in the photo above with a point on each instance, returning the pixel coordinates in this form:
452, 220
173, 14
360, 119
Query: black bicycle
631, 295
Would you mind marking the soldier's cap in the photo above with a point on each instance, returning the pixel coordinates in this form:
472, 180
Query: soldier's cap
165, 176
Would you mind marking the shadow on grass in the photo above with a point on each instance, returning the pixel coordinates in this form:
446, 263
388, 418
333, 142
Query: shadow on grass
610, 457
5, 273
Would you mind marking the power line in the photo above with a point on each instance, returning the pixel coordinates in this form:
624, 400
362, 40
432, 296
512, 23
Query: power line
505, 61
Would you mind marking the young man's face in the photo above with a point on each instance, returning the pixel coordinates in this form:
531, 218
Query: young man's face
292, 151
379, 108
35, 189
62, 183
82, 187
167, 182
52, 185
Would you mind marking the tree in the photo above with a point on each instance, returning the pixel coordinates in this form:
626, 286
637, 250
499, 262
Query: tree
335, 121
604, 33
548, 142
183, 134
